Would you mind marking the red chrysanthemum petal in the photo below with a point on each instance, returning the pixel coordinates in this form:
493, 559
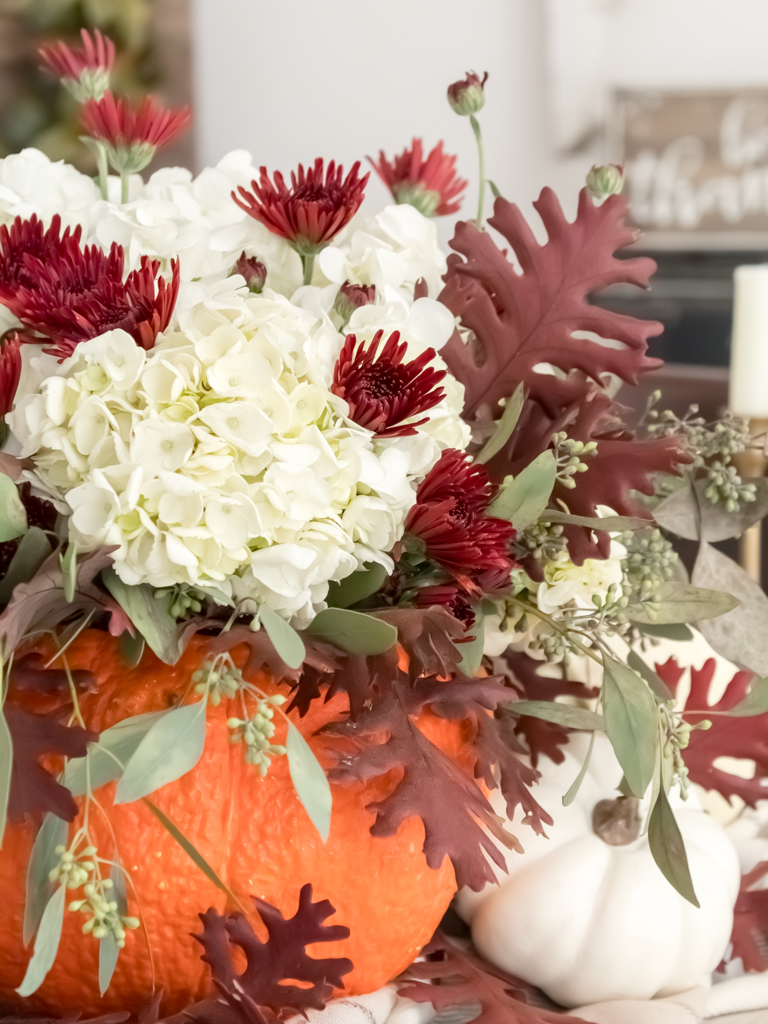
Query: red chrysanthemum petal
449, 519
383, 391
69, 294
409, 172
112, 120
65, 62
313, 210
10, 369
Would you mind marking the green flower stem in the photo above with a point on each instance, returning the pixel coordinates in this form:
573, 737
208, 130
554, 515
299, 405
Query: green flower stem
559, 627
124, 182
308, 262
481, 168
101, 163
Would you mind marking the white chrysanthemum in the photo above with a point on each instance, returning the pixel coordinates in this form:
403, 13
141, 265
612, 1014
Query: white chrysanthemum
31, 183
392, 250
221, 457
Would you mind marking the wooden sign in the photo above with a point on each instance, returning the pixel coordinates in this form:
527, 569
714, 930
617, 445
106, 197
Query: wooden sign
697, 166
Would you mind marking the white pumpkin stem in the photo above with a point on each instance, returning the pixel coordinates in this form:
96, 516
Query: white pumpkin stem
617, 822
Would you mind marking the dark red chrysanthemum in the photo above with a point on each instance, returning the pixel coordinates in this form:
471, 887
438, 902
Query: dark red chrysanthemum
467, 96
69, 294
312, 211
382, 391
10, 369
112, 120
431, 185
450, 596
449, 519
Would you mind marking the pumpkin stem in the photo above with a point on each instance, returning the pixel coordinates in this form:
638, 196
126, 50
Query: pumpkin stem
617, 822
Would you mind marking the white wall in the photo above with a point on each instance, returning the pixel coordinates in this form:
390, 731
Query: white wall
295, 79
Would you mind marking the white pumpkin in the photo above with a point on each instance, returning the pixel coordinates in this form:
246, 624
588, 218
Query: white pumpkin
588, 922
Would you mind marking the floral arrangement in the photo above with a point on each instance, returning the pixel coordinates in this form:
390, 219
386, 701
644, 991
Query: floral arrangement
336, 500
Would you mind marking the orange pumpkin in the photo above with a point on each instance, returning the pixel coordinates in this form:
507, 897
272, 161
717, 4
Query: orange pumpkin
255, 834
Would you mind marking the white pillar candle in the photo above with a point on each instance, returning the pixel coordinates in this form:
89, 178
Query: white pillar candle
749, 342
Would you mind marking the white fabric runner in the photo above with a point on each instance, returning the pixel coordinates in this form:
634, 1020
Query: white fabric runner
736, 1001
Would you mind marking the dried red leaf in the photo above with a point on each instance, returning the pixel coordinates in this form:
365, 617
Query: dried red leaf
542, 739
34, 790
450, 976
750, 921
743, 738
522, 320
458, 819
281, 958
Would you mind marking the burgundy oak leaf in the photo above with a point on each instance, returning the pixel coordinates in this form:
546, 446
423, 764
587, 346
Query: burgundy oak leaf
458, 819
34, 791
520, 320
542, 739
750, 921
739, 737
281, 958
450, 977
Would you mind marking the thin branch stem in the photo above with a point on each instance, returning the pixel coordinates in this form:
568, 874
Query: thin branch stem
481, 168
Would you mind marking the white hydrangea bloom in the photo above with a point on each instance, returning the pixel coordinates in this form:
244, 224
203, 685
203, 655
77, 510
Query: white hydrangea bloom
222, 458
565, 582
393, 250
32, 183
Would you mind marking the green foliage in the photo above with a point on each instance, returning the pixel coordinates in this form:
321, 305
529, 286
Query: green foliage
357, 587
171, 747
631, 720
352, 631
522, 499
504, 427
44, 858
286, 640
148, 611
46, 943
13, 515
668, 848
309, 781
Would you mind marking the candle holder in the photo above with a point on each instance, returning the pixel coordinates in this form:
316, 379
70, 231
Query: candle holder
752, 462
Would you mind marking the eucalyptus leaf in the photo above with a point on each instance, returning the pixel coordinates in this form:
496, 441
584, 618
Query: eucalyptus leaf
172, 747
525, 497
357, 587
192, 852
131, 648
355, 632
496, 195
148, 614
107, 758
6, 769
68, 563
573, 790
755, 703
13, 515
52, 833
34, 547
668, 848
682, 603
562, 714
677, 631
472, 650
610, 524
630, 715
644, 670
309, 781
284, 637
504, 427
46, 943
684, 512
740, 635
109, 951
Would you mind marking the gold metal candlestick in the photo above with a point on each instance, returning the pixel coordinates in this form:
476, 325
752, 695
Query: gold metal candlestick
752, 463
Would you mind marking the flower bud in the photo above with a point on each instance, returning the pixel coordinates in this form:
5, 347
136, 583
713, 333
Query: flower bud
467, 96
351, 297
253, 270
606, 180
